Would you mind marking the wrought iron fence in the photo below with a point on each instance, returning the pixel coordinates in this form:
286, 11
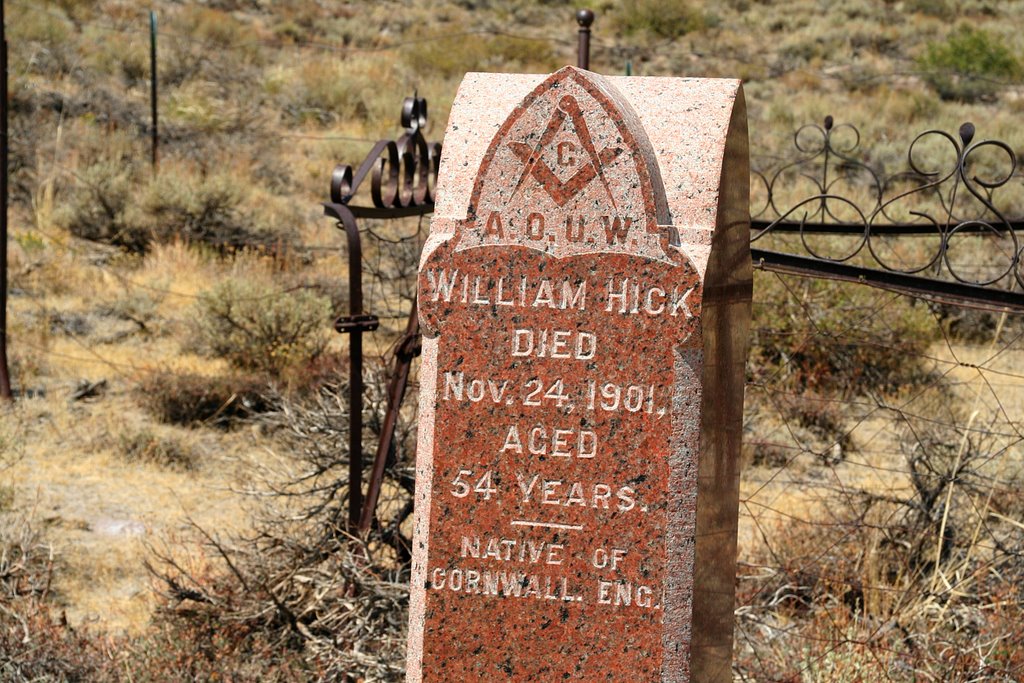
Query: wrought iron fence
402, 175
937, 228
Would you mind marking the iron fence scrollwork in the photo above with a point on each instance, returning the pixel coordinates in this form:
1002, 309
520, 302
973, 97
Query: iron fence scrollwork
859, 224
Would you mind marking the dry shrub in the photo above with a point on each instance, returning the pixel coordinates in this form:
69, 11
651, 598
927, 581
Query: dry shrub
100, 205
26, 365
302, 588
799, 602
943, 9
195, 637
661, 18
315, 376
124, 57
304, 599
192, 400
214, 26
258, 325
30, 133
138, 307
835, 339
203, 109
114, 200
195, 207
906, 574
326, 90
978, 326
480, 53
147, 446
205, 43
39, 646
830, 609
26, 560
798, 425
35, 643
918, 582
815, 345
184, 644
49, 35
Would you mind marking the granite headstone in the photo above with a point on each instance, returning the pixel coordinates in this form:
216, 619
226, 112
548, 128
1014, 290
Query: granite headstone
585, 300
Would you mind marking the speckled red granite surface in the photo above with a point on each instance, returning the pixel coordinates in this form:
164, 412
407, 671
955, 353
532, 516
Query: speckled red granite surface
576, 476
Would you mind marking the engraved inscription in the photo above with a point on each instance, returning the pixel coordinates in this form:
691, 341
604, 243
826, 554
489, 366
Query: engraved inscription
556, 307
627, 296
588, 395
608, 229
567, 450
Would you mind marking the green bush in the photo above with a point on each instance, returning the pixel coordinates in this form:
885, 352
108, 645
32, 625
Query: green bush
969, 65
100, 206
662, 18
261, 326
113, 202
179, 205
100, 202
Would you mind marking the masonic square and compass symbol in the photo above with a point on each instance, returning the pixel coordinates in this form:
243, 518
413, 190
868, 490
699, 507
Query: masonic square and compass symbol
561, 191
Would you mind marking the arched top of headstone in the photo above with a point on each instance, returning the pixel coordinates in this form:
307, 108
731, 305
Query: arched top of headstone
570, 171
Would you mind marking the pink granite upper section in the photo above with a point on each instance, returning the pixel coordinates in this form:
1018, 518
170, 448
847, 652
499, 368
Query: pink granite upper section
685, 119
574, 144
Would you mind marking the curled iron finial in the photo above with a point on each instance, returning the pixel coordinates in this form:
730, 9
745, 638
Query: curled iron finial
414, 113
402, 172
828, 122
341, 184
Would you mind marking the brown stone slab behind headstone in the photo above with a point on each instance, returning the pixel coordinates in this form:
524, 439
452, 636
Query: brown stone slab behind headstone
585, 297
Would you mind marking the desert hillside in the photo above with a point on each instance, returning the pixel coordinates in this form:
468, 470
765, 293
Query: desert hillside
173, 467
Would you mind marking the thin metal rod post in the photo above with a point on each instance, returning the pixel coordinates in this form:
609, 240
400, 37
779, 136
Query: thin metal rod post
407, 350
355, 353
154, 130
401, 176
584, 18
5, 376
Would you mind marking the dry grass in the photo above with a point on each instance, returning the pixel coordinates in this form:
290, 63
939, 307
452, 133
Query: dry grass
892, 556
73, 470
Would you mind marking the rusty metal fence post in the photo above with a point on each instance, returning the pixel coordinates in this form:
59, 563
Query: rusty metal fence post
5, 377
407, 349
354, 324
155, 130
402, 174
584, 18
